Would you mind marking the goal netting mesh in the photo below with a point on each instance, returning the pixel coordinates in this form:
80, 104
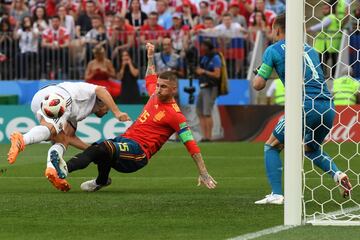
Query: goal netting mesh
337, 39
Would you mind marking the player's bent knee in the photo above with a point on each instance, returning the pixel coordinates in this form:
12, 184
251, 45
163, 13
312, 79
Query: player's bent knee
52, 129
274, 142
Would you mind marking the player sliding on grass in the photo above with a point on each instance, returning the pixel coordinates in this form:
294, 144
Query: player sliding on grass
130, 152
82, 99
318, 110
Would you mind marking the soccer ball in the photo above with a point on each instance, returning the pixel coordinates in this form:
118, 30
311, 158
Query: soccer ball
53, 105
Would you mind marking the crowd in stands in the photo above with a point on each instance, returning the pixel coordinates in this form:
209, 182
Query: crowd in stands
55, 39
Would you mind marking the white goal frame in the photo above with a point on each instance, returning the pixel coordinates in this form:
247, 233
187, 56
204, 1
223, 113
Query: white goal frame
295, 213
293, 152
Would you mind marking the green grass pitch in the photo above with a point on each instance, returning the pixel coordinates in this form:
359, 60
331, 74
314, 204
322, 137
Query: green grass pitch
160, 201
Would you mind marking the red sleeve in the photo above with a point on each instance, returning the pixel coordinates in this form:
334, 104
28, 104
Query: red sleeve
192, 147
180, 126
151, 81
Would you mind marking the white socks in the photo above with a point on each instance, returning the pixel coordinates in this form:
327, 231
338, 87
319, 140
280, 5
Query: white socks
36, 135
336, 176
60, 148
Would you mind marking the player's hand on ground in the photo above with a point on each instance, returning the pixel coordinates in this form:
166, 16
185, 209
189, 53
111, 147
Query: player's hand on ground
150, 50
207, 181
122, 116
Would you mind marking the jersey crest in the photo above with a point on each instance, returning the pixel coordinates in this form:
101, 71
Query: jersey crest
160, 115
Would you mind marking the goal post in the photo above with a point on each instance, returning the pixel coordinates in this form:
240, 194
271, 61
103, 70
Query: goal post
293, 154
312, 195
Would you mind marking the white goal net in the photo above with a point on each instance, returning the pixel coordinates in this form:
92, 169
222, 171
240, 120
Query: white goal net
332, 28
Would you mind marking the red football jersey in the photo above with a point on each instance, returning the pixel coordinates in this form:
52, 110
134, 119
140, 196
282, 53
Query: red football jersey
156, 123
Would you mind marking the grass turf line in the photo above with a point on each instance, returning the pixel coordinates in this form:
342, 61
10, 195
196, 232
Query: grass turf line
160, 201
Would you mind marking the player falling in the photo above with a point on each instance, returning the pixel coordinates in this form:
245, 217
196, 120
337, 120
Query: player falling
131, 151
318, 123
82, 100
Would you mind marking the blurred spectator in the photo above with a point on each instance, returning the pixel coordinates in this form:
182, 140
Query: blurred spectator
329, 40
7, 49
207, 24
40, 19
269, 15
234, 10
100, 70
179, 34
198, 35
72, 7
28, 43
18, 11
166, 60
204, 12
208, 75
135, 16
148, 6
276, 6
121, 37
342, 8
5, 8
354, 22
165, 14
346, 89
232, 44
50, 6
152, 32
83, 24
189, 13
128, 75
117, 6
355, 42
66, 21
55, 52
109, 19
96, 36
259, 24
219, 7
227, 28
246, 8
276, 93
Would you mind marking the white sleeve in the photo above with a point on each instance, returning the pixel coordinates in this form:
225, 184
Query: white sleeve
271, 89
324, 23
88, 36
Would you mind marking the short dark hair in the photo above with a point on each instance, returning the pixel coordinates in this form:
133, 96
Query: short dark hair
208, 43
208, 18
55, 17
168, 75
154, 14
97, 17
227, 15
280, 22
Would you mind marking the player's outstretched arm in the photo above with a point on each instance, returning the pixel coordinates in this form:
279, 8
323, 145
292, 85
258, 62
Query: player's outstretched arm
150, 78
204, 177
106, 98
150, 70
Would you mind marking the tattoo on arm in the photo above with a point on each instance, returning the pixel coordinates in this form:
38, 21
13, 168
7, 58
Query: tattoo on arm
150, 67
200, 163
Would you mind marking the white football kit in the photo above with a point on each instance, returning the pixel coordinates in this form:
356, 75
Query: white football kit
80, 99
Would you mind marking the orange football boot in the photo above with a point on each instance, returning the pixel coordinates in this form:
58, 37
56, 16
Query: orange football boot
17, 145
58, 183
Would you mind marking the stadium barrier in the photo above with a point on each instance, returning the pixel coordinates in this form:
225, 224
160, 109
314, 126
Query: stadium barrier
25, 90
70, 62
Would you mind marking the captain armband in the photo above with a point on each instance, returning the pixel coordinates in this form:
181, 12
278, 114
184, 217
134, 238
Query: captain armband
265, 71
185, 133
